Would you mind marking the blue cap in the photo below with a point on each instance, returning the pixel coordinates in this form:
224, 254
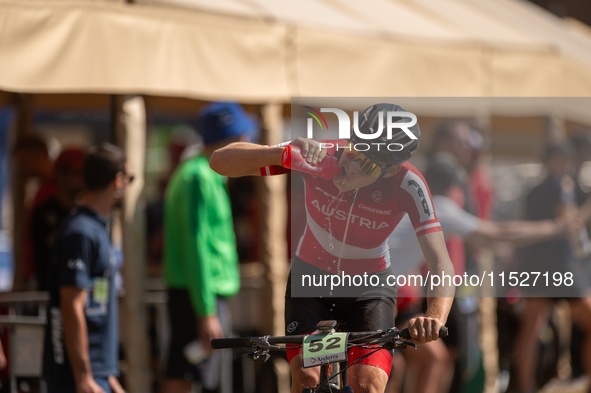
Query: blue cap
225, 120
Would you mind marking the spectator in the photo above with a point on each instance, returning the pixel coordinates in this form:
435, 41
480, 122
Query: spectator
581, 144
480, 194
454, 145
200, 251
442, 178
184, 141
451, 147
47, 215
81, 340
452, 141
553, 198
33, 162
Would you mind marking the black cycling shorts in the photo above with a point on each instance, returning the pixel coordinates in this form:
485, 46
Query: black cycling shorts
355, 314
352, 314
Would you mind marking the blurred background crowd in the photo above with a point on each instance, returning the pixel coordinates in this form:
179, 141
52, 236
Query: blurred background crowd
75, 74
485, 177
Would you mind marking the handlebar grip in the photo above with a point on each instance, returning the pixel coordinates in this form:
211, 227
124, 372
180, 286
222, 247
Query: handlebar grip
239, 342
443, 332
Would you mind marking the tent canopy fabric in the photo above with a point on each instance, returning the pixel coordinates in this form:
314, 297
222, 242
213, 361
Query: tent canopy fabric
270, 50
114, 48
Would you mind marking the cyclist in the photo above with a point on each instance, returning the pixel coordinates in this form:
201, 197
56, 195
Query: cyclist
349, 218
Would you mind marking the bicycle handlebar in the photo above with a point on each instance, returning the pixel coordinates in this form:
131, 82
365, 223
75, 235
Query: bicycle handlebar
246, 342
443, 332
239, 342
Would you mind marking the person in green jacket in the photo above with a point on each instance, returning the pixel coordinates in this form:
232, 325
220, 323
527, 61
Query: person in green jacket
200, 257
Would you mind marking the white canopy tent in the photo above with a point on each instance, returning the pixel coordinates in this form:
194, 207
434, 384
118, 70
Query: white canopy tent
265, 50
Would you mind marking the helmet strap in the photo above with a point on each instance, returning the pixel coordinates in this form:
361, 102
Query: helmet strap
385, 170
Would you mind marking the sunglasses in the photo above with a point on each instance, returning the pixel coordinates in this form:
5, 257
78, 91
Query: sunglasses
368, 166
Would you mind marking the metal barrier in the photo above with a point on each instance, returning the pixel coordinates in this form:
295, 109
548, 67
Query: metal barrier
27, 331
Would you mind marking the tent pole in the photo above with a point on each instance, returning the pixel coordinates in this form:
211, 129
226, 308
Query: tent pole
488, 301
114, 121
130, 129
274, 212
272, 194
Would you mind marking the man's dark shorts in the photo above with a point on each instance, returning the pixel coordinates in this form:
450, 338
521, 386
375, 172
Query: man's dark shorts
183, 323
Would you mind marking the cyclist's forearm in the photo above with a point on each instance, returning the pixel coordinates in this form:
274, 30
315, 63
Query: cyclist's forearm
438, 307
440, 296
244, 159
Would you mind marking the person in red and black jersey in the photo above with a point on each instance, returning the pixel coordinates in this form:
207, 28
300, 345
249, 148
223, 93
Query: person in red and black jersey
354, 200
47, 215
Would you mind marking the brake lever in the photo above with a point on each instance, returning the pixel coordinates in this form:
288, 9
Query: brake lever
399, 345
256, 355
242, 353
263, 344
388, 336
409, 343
260, 350
260, 356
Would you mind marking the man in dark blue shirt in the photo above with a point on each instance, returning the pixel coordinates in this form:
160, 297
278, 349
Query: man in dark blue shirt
81, 340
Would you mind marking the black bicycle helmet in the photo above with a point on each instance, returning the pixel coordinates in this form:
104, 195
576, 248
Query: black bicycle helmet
369, 123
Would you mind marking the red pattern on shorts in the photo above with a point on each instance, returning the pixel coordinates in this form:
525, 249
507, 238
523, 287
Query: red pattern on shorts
381, 359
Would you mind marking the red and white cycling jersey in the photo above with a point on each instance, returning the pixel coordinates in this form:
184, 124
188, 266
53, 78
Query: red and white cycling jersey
372, 216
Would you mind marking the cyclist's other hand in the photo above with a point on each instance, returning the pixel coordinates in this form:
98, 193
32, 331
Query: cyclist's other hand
424, 329
209, 328
311, 150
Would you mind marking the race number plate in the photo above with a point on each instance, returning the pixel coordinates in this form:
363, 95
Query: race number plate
318, 349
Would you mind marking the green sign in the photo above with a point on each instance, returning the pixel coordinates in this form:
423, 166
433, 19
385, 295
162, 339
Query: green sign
318, 349
101, 290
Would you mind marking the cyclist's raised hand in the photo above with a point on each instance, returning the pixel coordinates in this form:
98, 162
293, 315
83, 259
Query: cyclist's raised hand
311, 150
424, 329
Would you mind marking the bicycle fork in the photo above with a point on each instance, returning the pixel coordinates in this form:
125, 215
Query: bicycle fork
329, 384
